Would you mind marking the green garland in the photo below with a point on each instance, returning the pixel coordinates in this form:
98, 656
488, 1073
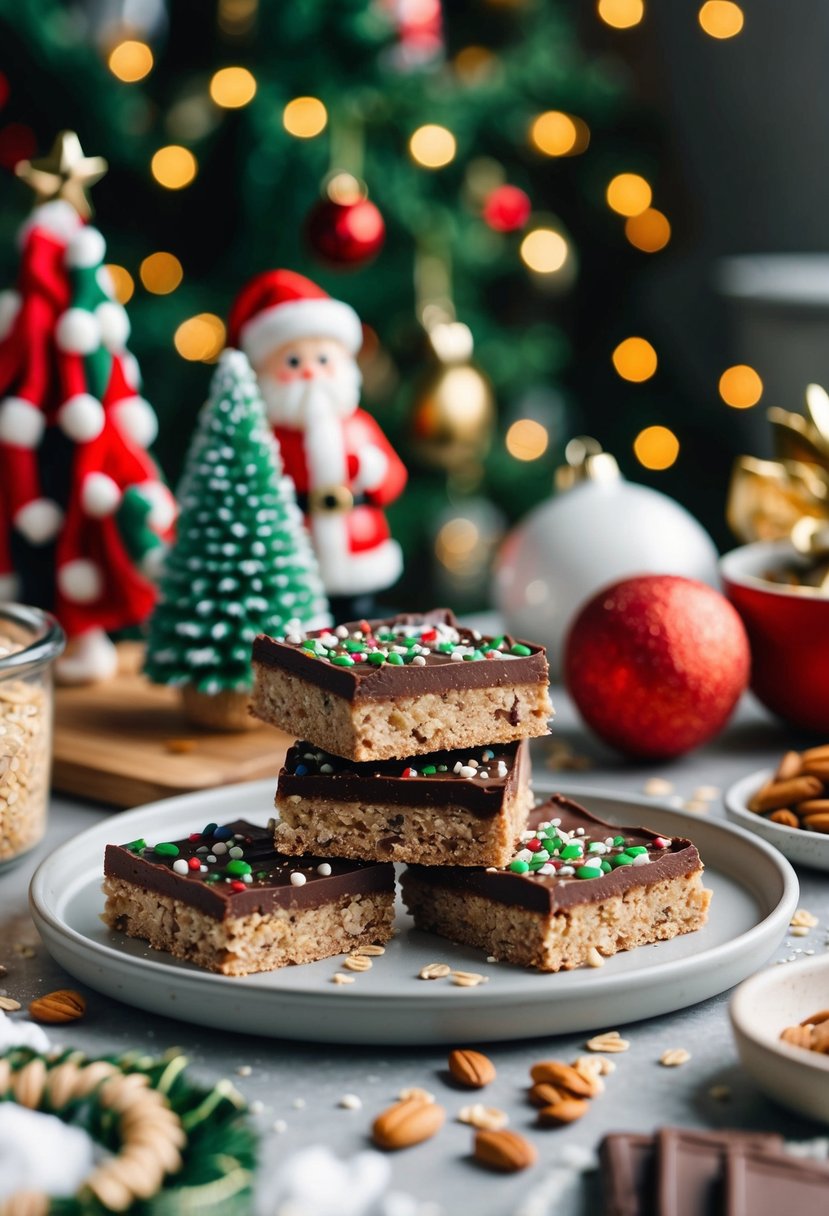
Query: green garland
217, 1159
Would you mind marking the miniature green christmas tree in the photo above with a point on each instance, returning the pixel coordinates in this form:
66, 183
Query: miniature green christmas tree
242, 563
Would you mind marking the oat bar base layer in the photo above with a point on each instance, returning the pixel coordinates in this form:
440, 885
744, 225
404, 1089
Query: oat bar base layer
561, 941
437, 836
247, 944
398, 727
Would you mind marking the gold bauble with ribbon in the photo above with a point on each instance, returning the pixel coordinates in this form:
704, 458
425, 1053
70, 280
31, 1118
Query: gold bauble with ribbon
454, 409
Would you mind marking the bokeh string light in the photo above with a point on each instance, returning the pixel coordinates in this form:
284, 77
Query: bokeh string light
628, 194
232, 88
656, 447
544, 250
123, 284
721, 18
200, 339
558, 134
130, 61
649, 231
635, 359
161, 273
527, 439
174, 167
740, 386
621, 14
305, 117
432, 146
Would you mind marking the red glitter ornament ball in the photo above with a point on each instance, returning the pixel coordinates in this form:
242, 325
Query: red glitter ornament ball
345, 234
507, 208
656, 664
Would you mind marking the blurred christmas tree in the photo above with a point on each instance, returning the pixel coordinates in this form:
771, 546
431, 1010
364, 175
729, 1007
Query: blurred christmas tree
487, 139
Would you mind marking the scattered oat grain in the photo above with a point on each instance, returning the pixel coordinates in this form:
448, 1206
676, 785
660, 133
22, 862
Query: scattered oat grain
485, 1118
339, 978
674, 1057
594, 959
468, 979
368, 951
350, 1102
415, 1093
798, 930
25, 951
357, 962
610, 1041
8, 1004
657, 787
707, 793
434, 971
697, 806
804, 918
244, 1070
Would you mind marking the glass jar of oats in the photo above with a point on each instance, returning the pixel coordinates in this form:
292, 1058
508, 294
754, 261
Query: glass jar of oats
30, 641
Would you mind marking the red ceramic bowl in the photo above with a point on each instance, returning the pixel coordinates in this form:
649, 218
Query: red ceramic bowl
788, 629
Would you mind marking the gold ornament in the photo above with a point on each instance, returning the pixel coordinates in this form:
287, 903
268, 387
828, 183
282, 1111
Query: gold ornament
454, 410
787, 497
64, 173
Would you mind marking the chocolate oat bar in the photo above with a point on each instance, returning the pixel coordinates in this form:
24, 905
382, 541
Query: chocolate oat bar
577, 884
774, 1185
691, 1170
447, 808
405, 686
225, 900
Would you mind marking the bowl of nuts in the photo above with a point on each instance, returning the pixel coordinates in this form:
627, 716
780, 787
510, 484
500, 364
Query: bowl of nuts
780, 1019
788, 806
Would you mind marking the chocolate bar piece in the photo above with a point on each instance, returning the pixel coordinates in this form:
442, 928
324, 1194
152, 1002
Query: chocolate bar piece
225, 900
577, 885
691, 1171
456, 808
628, 1174
775, 1185
405, 686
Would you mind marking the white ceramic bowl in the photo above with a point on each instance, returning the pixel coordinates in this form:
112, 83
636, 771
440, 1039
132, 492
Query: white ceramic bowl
760, 1009
801, 847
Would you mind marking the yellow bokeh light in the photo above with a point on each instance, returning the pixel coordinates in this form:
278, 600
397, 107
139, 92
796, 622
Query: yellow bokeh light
130, 61
174, 167
740, 386
527, 439
233, 88
635, 359
558, 134
649, 231
123, 284
432, 146
456, 543
621, 14
721, 18
544, 250
656, 447
304, 117
161, 273
629, 194
200, 338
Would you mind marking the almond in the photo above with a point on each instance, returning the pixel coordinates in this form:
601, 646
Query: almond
815, 1020
816, 753
820, 1038
566, 1111
407, 1123
816, 767
562, 1076
797, 1036
813, 806
787, 818
504, 1150
817, 823
65, 1005
779, 794
471, 1068
789, 766
544, 1094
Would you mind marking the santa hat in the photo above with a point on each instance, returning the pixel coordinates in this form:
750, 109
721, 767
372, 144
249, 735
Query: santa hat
279, 306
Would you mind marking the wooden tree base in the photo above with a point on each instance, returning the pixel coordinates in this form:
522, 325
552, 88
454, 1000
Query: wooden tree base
127, 741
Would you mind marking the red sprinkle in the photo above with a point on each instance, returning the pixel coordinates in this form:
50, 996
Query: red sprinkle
409, 772
194, 836
237, 886
429, 635
661, 843
194, 863
533, 845
364, 626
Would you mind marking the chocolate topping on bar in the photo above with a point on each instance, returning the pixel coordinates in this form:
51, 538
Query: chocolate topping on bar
628, 1168
768, 1185
405, 655
583, 860
246, 875
692, 1166
476, 778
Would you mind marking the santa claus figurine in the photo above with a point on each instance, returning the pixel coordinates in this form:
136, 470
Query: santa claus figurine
303, 345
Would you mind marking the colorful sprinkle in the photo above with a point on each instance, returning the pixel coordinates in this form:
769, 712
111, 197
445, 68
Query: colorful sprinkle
237, 867
236, 885
519, 867
135, 846
409, 772
167, 849
297, 879
324, 869
342, 660
193, 863
180, 866
518, 648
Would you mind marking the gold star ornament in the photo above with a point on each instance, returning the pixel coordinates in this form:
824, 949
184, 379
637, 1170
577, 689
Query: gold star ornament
65, 173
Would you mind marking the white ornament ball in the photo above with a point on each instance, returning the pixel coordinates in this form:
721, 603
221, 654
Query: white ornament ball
39, 521
77, 332
100, 495
594, 534
136, 420
10, 302
162, 504
21, 423
86, 249
81, 418
114, 323
132, 372
80, 581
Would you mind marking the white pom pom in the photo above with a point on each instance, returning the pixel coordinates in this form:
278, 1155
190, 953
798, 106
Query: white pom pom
100, 495
114, 323
10, 302
152, 563
78, 332
9, 588
132, 372
162, 504
80, 581
136, 420
81, 418
86, 248
39, 521
21, 423
58, 218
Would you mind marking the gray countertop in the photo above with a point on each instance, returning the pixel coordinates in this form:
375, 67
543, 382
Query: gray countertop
300, 1085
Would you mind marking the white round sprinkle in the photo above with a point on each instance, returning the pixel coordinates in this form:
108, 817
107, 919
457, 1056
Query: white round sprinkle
473, 763
418, 661
341, 631
280, 1126
466, 771
297, 879
456, 656
247, 878
547, 869
566, 871
293, 639
324, 869
210, 857
180, 866
236, 852
641, 859
483, 774
326, 768
202, 869
524, 855
219, 847
350, 1102
244, 1070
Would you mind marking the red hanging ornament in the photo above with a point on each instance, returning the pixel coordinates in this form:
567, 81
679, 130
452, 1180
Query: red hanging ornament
507, 208
345, 228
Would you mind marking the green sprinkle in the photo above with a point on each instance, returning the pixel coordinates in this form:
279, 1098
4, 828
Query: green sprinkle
635, 850
443, 768
310, 644
472, 658
519, 867
261, 874
537, 862
621, 859
606, 867
238, 867
377, 658
617, 840
167, 850
588, 872
342, 660
542, 855
395, 659
446, 647
429, 770
519, 648
595, 846
135, 846
570, 852
494, 643
352, 647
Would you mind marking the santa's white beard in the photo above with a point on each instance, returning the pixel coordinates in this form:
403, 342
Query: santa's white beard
302, 402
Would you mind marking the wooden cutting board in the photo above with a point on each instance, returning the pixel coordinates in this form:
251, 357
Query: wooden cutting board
127, 741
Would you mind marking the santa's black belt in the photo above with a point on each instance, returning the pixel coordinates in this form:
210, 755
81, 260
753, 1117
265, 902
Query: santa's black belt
329, 500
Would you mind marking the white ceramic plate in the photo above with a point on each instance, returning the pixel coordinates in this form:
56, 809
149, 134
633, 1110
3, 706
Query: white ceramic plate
803, 848
760, 1009
755, 893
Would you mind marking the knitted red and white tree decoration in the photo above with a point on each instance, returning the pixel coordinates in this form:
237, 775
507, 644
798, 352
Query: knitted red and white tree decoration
83, 510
